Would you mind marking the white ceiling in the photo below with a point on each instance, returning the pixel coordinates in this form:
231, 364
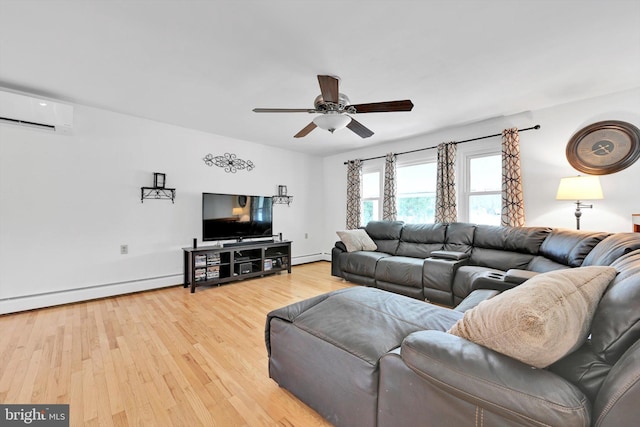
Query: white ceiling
206, 64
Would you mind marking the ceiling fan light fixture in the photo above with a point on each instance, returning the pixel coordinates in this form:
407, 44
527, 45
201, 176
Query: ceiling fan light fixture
332, 121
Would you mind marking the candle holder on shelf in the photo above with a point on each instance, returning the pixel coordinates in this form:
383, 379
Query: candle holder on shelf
282, 198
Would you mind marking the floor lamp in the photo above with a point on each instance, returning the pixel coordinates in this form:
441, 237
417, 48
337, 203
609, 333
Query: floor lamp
580, 188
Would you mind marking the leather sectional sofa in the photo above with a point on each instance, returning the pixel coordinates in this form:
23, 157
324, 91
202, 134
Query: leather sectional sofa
364, 356
444, 263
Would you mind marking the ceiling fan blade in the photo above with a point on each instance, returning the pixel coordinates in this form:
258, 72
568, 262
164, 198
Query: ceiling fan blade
382, 107
284, 110
308, 128
329, 88
359, 128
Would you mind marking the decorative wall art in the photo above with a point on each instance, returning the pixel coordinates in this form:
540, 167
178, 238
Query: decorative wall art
229, 162
604, 147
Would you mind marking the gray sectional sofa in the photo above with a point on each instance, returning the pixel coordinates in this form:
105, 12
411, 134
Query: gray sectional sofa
444, 263
364, 356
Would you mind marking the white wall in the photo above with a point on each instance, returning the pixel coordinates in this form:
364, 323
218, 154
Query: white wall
67, 203
543, 164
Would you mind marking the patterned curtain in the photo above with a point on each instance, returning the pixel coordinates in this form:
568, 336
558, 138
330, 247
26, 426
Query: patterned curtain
354, 193
512, 197
446, 210
389, 208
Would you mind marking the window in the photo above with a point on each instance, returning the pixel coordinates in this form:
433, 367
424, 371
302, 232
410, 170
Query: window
484, 203
371, 203
478, 187
416, 195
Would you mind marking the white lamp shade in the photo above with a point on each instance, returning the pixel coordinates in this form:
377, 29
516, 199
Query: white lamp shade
332, 121
579, 188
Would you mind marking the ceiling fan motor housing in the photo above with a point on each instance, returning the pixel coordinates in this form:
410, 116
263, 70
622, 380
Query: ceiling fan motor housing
323, 106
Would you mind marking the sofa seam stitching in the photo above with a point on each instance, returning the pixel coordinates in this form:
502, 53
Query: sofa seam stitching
616, 396
409, 347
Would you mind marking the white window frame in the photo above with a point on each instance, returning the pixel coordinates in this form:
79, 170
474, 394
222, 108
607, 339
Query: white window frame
465, 153
431, 156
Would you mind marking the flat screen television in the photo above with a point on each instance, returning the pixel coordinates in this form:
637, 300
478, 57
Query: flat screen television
236, 216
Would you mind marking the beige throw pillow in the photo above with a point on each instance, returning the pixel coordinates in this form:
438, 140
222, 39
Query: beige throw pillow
542, 320
357, 240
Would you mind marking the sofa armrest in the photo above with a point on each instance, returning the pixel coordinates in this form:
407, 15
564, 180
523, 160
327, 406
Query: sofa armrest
437, 278
450, 255
494, 381
517, 276
340, 245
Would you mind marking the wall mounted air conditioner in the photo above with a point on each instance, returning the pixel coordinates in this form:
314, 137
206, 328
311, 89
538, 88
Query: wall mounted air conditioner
35, 112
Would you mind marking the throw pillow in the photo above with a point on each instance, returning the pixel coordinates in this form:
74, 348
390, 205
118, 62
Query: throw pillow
357, 240
542, 320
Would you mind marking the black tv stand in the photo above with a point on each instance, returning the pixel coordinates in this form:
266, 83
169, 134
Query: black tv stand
242, 260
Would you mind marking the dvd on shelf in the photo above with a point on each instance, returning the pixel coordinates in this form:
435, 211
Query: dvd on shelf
200, 274
213, 258
213, 272
200, 260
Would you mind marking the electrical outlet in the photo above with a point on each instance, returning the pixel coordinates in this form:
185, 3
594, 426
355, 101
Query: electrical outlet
124, 249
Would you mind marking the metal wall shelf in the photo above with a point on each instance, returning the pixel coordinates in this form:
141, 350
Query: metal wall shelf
282, 200
157, 193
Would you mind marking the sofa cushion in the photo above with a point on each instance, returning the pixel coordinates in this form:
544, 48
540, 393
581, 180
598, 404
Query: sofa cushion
542, 320
526, 240
386, 234
399, 269
616, 324
570, 247
362, 263
367, 322
541, 264
612, 248
459, 237
505, 248
356, 240
419, 240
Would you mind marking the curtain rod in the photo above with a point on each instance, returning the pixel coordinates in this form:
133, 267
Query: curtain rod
435, 146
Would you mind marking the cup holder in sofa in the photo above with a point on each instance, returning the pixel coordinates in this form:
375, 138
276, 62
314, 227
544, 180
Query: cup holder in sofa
492, 279
495, 276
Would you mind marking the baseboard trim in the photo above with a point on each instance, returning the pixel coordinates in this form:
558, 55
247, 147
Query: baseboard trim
50, 299
305, 259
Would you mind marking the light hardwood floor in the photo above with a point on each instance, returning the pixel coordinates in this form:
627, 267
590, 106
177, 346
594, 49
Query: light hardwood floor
160, 358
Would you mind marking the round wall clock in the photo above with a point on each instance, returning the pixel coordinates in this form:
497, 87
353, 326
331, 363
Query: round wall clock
604, 147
